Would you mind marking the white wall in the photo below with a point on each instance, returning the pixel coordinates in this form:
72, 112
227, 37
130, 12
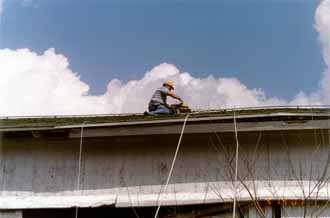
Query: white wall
42, 172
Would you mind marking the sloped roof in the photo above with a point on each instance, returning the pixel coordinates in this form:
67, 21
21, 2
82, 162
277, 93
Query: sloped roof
292, 113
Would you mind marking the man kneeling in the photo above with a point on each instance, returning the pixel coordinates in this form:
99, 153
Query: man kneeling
158, 103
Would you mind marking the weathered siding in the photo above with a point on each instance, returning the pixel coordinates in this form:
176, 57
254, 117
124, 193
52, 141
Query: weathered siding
125, 171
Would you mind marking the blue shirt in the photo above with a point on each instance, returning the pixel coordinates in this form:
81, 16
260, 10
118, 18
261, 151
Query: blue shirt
160, 95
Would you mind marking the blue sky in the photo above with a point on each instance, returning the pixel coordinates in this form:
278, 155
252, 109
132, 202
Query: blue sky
264, 43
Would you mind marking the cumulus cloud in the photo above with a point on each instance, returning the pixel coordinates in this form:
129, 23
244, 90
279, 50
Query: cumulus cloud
202, 93
42, 84
322, 26
33, 84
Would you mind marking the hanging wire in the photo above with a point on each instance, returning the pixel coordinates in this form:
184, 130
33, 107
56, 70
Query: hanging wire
172, 166
236, 163
79, 164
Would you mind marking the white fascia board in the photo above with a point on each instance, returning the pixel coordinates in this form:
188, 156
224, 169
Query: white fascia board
176, 194
29, 200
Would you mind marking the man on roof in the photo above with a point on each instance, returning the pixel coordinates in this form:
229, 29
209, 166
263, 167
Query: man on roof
158, 103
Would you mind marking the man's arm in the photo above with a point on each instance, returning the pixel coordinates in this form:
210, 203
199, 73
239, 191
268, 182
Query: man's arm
173, 95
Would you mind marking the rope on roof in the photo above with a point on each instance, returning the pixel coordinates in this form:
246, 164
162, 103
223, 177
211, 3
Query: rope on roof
172, 166
236, 163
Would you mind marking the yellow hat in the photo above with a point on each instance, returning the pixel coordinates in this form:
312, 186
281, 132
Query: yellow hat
169, 83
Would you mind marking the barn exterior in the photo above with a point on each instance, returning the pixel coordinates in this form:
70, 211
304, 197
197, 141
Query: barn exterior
117, 166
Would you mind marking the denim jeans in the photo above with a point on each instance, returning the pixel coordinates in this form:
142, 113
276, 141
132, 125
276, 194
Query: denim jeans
156, 109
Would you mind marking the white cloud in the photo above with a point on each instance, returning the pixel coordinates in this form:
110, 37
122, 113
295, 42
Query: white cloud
202, 93
322, 26
42, 84
33, 84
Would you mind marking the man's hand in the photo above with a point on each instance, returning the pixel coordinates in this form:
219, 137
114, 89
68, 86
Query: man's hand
180, 101
173, 95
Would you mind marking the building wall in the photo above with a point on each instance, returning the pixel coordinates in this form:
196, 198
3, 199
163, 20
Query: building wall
130, 171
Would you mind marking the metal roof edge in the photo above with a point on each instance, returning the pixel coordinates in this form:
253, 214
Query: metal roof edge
25, 127
196, 119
